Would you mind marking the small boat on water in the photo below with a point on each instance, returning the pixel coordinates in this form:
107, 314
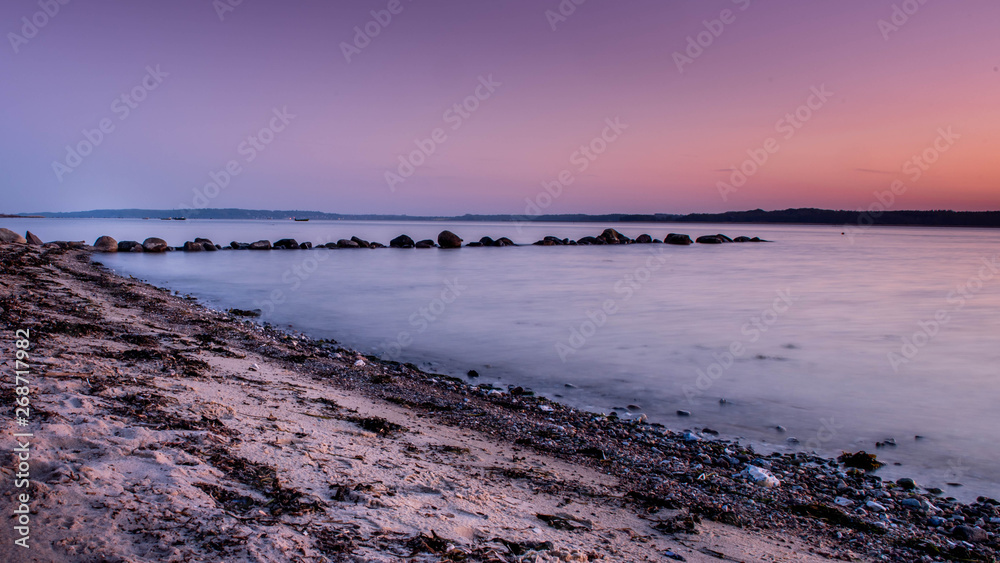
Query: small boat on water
297, 219
180, 218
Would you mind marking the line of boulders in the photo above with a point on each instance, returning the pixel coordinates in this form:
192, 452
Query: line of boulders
446, 239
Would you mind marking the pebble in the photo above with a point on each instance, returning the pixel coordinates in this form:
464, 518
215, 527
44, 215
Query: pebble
763, 477
872, 505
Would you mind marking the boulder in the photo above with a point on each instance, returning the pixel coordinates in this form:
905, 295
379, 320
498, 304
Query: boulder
32, 239
7, 235
486, 241
591, 240
305, 245
153, 244
376, 245
643, 239
611, 236
682, 240
286, 243
402, 241
204, 240
556, 240
742, 239
503, 241
211, 247
448, 239
344, 243
426, 243
260, 245
193, 247
239, 245
545, 242
724, 238
129, 246
106, 244
709, 239
361, 242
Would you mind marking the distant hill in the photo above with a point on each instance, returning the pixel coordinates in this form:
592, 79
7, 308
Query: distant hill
799, 216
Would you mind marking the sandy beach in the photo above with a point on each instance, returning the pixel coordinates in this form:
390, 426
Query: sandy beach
165, 431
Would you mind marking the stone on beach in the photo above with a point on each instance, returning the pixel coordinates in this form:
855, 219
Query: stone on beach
106, 244
448, 239
32, 239
762, 477
7, 235
154, 244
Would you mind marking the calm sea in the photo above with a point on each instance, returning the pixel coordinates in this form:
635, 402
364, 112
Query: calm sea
842, 341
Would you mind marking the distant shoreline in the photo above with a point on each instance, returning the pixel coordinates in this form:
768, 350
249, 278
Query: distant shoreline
804, 216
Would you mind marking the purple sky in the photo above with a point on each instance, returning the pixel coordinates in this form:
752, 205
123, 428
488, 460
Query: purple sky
928, 88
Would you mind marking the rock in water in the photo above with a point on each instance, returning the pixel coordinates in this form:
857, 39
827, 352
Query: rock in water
32, 239
362, 242
709, 239
193, 247
287, 243
427, 243
7, 235
129, 246
260, 245
682, 240
643, 239
402, 241
344, 243
153, 244
448, 239
106, 244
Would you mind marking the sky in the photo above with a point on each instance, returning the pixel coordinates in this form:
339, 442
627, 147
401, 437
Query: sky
448, 107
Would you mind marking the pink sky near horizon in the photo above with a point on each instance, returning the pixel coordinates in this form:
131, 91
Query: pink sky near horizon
686, 131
